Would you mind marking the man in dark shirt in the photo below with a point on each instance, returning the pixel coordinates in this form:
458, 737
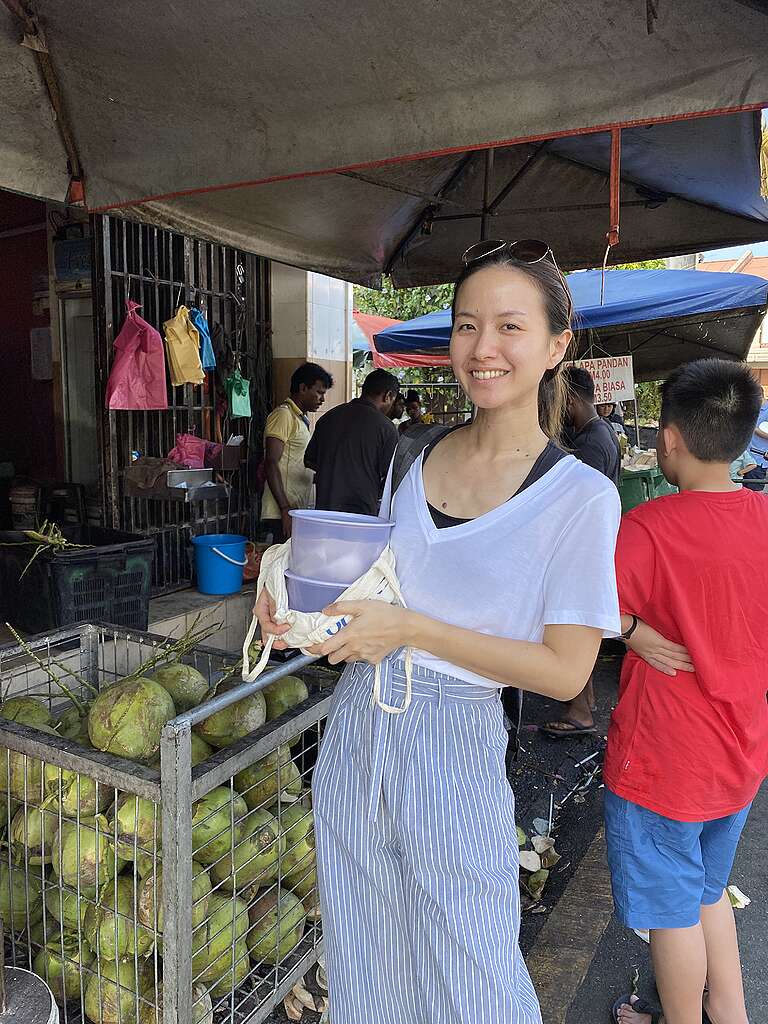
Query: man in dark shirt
352, 447
592, 440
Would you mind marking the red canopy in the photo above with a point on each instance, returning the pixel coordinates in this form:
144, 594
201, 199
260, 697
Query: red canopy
371, 325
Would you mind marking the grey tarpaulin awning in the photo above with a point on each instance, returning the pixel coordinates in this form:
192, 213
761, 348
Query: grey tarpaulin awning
275, 126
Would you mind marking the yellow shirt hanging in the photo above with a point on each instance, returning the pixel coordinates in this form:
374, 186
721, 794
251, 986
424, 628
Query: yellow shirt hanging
183, 343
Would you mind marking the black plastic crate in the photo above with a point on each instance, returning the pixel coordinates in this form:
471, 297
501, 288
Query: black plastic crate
107, 582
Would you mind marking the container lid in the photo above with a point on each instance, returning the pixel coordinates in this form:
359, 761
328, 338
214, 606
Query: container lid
347, 518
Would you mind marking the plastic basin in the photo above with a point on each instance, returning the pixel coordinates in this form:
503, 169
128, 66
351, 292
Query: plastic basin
306, 595
335, 547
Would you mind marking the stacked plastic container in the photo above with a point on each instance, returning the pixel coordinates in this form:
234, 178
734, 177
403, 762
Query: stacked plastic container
330, 550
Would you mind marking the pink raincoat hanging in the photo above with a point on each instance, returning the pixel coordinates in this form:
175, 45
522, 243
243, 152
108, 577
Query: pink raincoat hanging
137, 378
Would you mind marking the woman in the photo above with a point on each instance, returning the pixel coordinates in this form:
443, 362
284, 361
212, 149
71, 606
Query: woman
611, 412
415, 820
414, 411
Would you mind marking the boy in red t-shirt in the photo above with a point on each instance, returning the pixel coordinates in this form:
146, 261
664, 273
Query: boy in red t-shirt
688, 742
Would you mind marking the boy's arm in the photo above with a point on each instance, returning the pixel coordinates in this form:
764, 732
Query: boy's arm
635, 571
652, 647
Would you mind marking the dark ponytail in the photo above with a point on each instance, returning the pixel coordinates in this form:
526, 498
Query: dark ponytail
558, 304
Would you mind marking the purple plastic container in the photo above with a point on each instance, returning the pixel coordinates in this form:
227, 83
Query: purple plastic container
305, 595
335, 547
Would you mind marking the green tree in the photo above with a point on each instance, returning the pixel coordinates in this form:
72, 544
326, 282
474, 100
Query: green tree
402, 303
407, 303
643, 265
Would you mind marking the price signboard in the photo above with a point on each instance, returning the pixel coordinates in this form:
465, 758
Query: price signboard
613, 377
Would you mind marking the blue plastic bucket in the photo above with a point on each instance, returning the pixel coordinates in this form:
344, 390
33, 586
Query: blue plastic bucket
219, 562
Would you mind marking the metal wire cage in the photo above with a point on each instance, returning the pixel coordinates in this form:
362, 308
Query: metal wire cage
175, 891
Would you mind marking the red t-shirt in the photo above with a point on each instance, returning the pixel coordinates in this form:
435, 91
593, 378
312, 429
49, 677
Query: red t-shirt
694, 746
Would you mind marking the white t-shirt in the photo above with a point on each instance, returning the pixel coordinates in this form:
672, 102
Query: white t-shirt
544, 557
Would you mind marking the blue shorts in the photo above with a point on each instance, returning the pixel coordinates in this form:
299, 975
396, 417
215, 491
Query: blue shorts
663, 871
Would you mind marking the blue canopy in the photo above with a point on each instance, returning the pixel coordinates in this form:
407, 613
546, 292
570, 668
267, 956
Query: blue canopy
663, 317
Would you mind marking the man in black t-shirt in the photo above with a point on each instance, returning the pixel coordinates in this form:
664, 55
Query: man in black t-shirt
592, 440
352, 447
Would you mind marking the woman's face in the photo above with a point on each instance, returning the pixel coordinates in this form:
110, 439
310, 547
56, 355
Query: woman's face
501, 344
604, 410
413, 409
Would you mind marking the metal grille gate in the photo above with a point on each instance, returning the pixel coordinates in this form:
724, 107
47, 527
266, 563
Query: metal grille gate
160, 269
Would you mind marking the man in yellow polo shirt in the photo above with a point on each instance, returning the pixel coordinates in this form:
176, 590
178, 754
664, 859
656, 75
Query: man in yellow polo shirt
286, 436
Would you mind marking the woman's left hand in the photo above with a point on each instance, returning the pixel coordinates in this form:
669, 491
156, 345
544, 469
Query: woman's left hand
375, 630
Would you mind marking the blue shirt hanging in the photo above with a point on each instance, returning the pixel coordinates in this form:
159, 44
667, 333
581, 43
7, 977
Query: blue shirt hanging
207, 358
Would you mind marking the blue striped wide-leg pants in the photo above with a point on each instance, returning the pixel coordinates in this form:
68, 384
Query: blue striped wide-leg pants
417, 855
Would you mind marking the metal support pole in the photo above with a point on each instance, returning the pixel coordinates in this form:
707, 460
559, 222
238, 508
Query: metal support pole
489, 154
89, 654
176, 787
637, 420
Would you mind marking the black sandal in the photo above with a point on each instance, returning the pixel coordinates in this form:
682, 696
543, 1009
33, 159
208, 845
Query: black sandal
639, 1007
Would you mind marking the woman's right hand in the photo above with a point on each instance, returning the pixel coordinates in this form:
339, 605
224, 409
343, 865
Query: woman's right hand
659, 652
264, 610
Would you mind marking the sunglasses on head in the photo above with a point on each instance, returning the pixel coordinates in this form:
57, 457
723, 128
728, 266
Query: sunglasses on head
526, 250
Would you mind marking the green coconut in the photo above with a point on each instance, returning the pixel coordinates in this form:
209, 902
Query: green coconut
67, 908
21, 898
32, 833
147, 905
145, 863
256, 858
137, 823
184, 683
227, 925
60, 964
26, 710
212, 819
284, 694
73, 725
201, 750
277, 925
230, 980
41, 932
83, 855
299, 831
128, 717
299, 862
110, 925
74, 794
202, 1008
262, 782
110, 995
21, 776
236, 721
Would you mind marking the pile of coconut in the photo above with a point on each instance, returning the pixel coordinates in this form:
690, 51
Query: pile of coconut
84, 876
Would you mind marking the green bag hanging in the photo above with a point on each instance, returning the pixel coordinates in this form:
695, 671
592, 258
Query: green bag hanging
238, 395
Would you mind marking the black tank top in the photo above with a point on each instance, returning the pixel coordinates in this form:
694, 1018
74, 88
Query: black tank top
548, 458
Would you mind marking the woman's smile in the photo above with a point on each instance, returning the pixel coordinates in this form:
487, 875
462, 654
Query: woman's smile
488, 374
